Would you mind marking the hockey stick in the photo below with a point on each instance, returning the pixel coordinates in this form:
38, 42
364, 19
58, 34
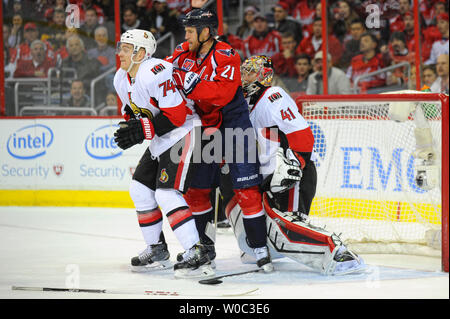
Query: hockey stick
216, 280
146, 292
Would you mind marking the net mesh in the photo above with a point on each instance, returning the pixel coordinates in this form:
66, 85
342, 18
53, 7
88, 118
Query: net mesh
366, 188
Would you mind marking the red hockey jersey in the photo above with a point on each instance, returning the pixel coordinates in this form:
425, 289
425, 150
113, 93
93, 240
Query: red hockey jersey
220, 77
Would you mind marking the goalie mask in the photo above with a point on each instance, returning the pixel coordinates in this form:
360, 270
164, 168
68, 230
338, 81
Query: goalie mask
257, 72
138, 39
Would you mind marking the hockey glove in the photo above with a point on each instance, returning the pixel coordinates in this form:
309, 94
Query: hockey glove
185, 81
134, 132
287, 171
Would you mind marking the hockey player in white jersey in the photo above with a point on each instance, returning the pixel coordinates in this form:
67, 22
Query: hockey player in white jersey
154, 110
285, 146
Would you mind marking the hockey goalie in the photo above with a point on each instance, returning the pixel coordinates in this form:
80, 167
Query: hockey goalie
285, 144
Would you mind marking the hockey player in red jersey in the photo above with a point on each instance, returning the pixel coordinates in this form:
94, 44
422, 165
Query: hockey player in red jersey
285, 143
154, 110
208, 72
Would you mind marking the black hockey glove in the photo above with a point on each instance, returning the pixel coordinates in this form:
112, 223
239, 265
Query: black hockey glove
134, 132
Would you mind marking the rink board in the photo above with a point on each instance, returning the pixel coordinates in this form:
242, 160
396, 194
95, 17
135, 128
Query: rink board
75, 162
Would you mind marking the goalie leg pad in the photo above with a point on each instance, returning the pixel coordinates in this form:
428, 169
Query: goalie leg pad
235, 215
312, 246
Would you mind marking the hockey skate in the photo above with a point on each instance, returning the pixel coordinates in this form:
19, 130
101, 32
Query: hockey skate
154, 257
194, 263
263, 259
210, 250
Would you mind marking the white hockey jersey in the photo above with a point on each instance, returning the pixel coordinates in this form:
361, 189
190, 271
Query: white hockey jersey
276, 110
151, 92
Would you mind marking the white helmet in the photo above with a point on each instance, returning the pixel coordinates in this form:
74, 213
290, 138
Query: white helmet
140, 39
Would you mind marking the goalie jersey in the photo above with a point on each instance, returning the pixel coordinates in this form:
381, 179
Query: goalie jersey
153, 94
277, 120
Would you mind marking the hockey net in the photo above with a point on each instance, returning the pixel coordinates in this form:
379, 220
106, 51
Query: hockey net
368, 165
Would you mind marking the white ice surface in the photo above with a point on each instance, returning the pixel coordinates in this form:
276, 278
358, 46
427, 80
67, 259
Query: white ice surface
53, 246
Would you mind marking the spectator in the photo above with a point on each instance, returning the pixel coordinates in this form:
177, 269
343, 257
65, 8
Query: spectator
246, 29
55, 33
61, 49
38, 65
396, 23
338, 83
312, 44
8, 66
351, 46
440, 85
16, 32
441, 46
395, 53
283, 22
429, 75
50, 11
368, 61
143, 8
131, 20
23, 51
263, 41
178, 7
231, 39
78, 97
298, 84
305, 12
161, 21
104, 53
86, 68
111, 99
284, 61
84, 5
87, 29
343, 17
425, 49
430, 9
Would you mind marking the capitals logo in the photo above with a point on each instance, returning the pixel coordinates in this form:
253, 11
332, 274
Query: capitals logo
227, 52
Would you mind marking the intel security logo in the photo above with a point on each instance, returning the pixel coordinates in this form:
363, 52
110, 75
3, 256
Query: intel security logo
30, 142
100, 143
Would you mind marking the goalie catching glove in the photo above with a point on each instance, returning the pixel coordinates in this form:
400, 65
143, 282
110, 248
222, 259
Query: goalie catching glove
185, 81
288, 171
134, 132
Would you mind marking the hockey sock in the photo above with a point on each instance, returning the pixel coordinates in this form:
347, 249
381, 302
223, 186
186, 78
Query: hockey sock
148, 214
201, 220
179, 216
255, 228
150, 222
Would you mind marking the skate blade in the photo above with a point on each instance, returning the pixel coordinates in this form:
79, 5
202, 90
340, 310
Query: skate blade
155, 266
205, 271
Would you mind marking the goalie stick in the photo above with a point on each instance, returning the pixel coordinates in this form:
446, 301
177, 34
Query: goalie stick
216, 280
146, 292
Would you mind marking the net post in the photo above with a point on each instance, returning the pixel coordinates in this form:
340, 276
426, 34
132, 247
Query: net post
445, 181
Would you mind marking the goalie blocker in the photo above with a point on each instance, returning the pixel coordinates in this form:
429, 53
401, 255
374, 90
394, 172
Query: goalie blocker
292, 236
